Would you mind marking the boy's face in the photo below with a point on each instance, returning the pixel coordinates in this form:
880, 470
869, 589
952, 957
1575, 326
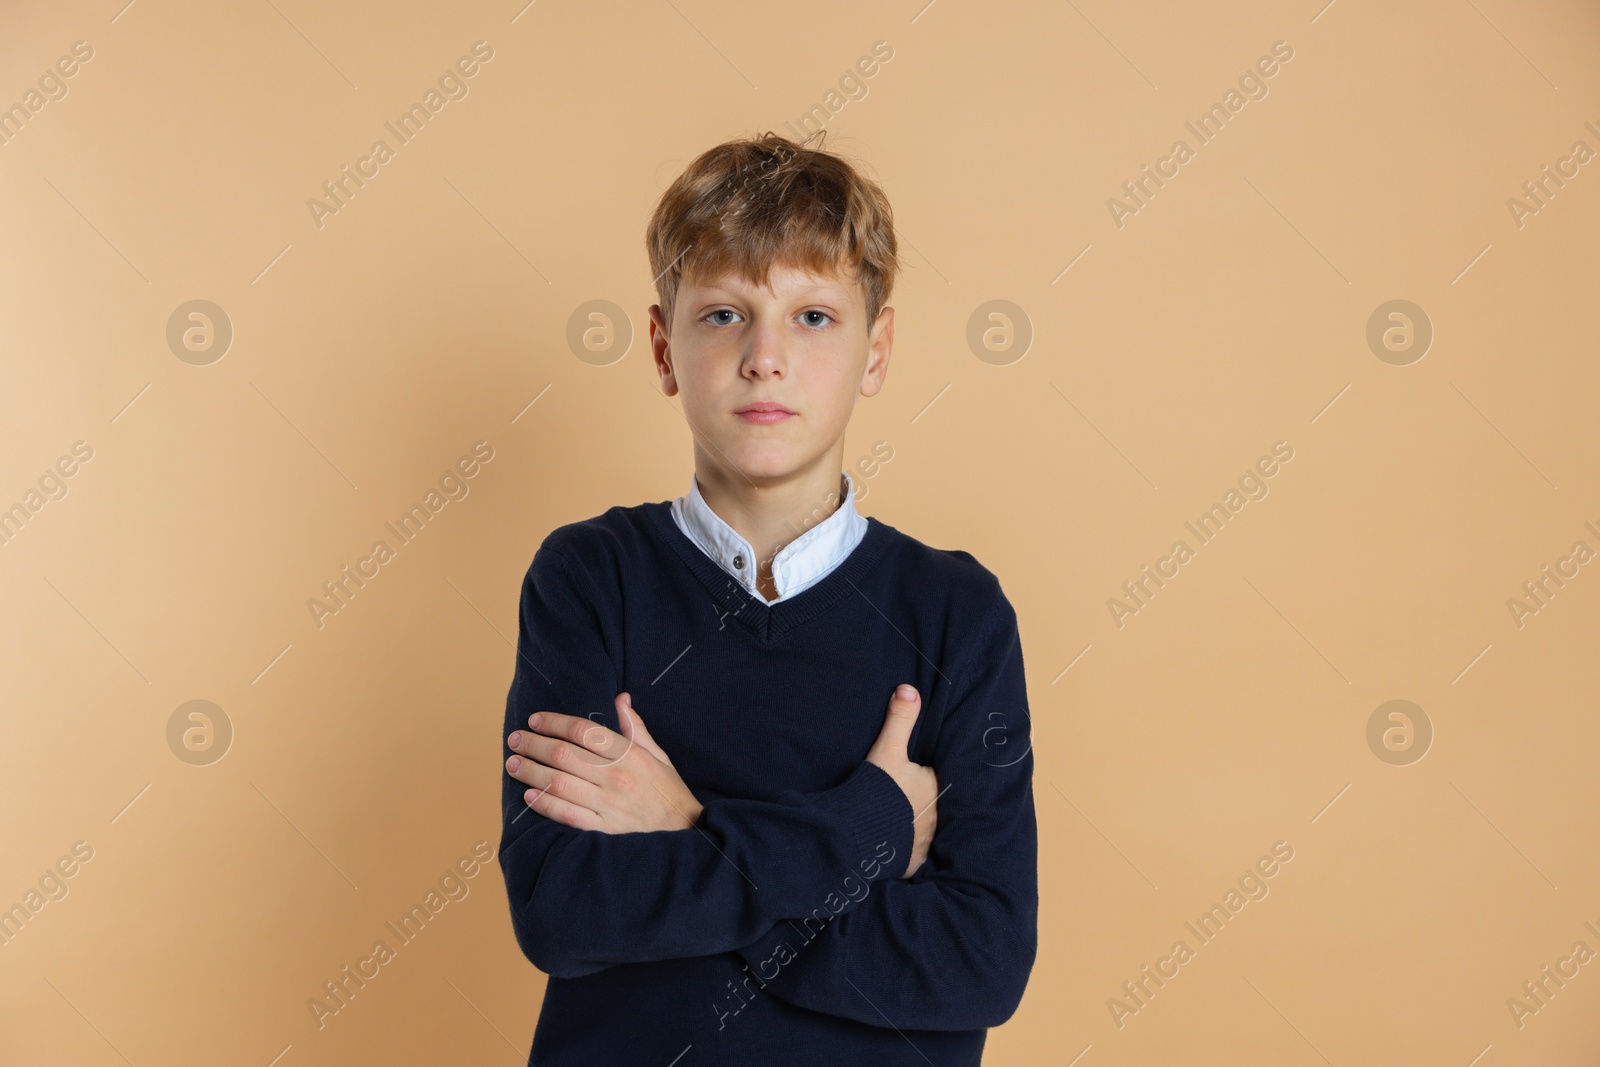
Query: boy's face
802, 342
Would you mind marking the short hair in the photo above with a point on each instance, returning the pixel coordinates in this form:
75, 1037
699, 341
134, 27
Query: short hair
752, 203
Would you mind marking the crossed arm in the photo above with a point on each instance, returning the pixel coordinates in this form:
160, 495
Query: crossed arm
737, 875
589, 777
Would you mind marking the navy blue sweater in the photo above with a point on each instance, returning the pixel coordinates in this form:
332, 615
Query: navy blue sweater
777, 930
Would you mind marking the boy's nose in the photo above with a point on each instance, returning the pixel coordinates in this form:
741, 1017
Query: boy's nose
765, 353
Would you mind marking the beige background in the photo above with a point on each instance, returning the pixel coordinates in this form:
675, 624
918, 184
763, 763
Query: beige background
1229, 313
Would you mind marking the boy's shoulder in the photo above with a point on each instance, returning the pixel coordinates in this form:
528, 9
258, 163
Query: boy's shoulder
611, 533
954, 569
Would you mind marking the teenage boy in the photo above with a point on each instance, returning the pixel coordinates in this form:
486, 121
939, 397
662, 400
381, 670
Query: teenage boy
756, 877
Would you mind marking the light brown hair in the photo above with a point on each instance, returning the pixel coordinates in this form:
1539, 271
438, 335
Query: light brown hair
752, 203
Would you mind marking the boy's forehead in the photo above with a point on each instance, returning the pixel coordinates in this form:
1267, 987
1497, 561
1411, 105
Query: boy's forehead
783, 280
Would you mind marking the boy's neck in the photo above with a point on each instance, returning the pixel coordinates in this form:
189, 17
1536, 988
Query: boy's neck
769, 515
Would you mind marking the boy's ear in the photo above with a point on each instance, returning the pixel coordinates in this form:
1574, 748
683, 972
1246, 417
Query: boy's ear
660, 350
885, 324
880, 341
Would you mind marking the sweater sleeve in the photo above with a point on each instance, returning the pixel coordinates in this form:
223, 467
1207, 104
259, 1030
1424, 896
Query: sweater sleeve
952, 947
584, 900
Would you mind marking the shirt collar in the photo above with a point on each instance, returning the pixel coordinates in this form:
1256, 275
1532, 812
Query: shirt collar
798, 565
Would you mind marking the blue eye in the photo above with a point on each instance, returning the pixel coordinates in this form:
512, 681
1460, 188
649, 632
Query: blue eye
710, 317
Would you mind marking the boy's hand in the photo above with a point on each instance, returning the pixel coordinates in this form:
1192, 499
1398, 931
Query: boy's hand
919, 783
590, 777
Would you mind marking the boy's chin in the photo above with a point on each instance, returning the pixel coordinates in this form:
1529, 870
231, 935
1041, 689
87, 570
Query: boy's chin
766, 466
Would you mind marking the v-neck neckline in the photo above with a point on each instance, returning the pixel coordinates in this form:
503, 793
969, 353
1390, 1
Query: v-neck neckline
767, 622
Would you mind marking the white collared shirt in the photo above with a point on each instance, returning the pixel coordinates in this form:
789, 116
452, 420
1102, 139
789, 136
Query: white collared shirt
798, 566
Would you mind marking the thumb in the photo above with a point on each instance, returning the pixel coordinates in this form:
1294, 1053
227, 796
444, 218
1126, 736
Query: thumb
895, 737
634, 730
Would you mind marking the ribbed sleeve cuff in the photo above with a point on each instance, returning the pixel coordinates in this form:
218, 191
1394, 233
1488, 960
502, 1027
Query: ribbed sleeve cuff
879, 815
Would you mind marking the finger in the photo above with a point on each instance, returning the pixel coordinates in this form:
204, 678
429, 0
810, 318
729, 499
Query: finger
633, 728
559, 755
558, 810
583, 733
563, 786
902, 716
